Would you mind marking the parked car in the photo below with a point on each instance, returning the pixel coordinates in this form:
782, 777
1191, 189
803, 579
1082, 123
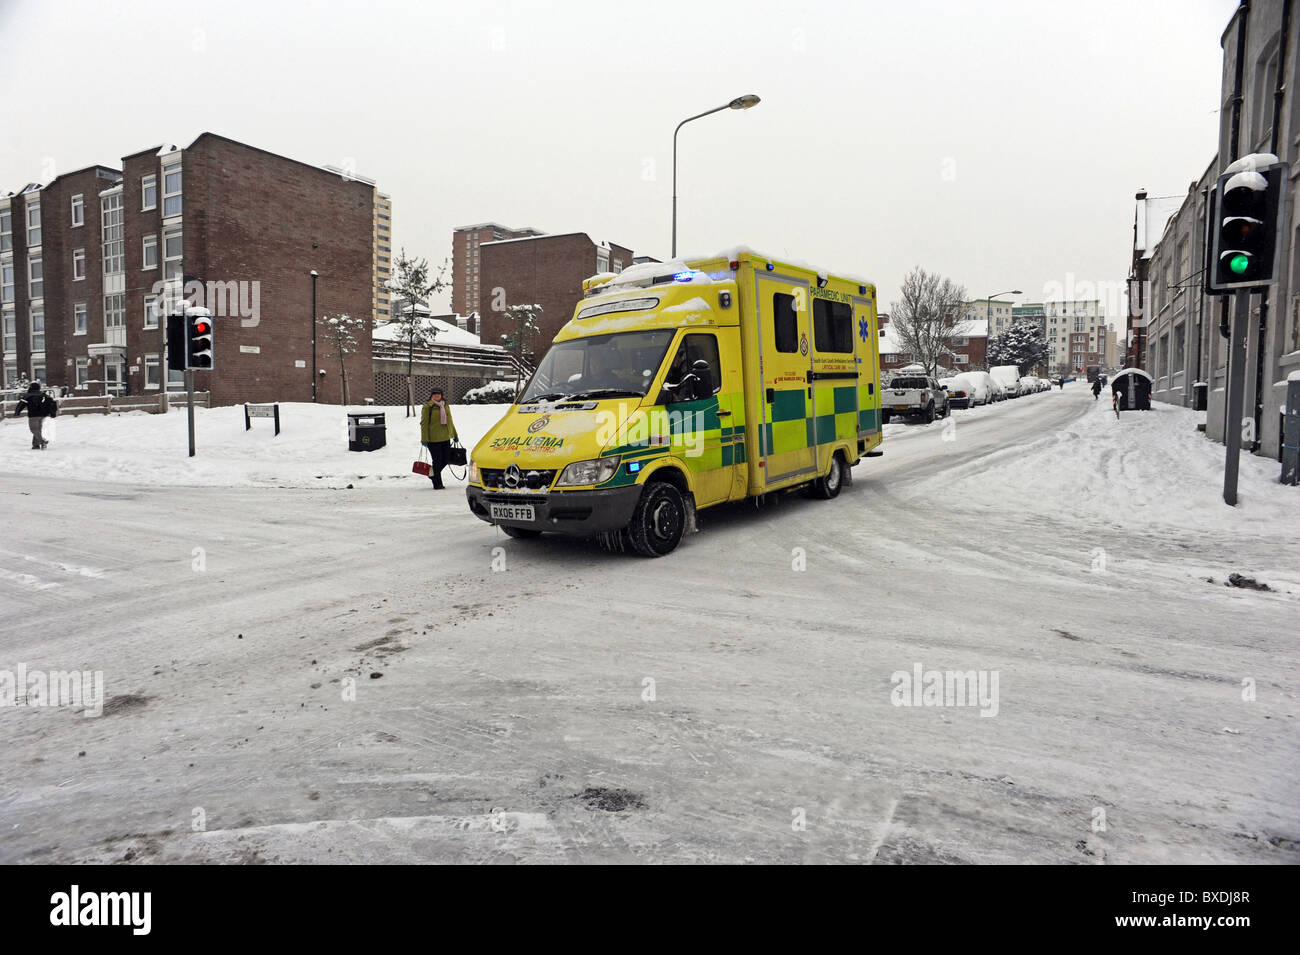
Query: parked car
913, 395
969, 389
1008, 376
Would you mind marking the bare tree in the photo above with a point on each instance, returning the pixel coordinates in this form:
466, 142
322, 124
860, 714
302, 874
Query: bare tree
341, 337
928, 316
411, 281
524, 328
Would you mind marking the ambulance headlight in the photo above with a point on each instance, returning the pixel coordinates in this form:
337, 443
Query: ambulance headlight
589, 472
473, 472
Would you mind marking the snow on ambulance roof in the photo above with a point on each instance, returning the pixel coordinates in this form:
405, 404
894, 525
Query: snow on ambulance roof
647, 272
1131, 371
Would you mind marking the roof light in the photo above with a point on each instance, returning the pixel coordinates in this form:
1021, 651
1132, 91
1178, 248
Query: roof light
685, 276
770, 267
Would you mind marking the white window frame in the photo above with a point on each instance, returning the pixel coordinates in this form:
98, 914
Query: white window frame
148, 184
78, 210
113, 237
6, 229
32, 313
80, 318
83, 374
36, 208
177, 195
148, 242
153, 361
7, 288
38, 370
35, 260
168, 232
78, 258
9, 331
151, 311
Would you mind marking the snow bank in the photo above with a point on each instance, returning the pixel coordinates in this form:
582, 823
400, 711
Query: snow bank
311, 450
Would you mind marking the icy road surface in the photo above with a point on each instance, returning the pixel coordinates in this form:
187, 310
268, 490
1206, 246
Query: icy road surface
312, 674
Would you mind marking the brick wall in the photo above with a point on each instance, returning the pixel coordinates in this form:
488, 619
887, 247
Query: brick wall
548, 270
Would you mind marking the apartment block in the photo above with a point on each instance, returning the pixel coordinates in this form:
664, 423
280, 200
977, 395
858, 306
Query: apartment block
465, 243
226, 225
547, 270
383, 241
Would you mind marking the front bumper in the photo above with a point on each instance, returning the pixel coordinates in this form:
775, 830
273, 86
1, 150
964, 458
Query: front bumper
577, 512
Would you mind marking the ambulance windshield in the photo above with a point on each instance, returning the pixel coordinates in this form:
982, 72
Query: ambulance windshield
602, 366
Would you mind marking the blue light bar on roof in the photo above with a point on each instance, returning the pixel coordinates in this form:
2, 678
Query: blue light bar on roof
684, 276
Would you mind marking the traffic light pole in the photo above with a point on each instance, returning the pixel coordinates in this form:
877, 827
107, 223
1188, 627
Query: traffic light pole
189, 390
1236, 394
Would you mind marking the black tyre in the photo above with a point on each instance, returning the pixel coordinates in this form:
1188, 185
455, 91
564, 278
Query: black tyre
884, 417
520, 533
828, 486
929, 413
658, 521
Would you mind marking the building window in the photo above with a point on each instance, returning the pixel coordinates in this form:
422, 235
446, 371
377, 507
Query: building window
38, 371
149, 247
152, 371
78, 265
1180, 345
6, 229
83, 373
11, 331
175, 380
33, 223
78, 210
38, 329
114, 244
151, 311
6, 282
148, 193
35, 277
114, 311
172, 190
113, 375
79, 320
173, 248
602, 260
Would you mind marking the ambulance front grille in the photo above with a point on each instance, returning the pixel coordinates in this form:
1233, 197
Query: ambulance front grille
528, 480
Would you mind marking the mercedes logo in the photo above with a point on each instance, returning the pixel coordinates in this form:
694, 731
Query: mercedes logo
513, 476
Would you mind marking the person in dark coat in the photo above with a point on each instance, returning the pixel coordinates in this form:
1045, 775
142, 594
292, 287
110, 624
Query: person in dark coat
38, 406
1096, 388
436, 431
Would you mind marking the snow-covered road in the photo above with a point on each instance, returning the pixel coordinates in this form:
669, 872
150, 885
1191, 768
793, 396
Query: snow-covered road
324, 674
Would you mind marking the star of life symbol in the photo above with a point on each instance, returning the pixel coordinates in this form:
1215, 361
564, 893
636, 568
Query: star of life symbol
864, 329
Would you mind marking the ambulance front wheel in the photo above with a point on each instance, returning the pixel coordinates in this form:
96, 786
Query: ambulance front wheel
658, 521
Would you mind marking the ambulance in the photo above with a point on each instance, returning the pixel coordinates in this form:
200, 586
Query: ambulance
682, 385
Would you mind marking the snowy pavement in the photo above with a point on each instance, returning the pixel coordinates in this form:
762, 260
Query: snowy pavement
735, 701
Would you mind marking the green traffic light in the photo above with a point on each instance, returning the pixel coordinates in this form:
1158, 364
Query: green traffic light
1239, 263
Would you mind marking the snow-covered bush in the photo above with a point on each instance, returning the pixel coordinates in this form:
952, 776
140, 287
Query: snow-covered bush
493, 393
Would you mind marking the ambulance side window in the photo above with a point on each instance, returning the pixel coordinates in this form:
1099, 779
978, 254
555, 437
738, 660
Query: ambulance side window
832, 326
688, 380
785, 324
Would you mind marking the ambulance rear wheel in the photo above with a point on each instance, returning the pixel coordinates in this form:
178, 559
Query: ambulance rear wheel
520, 533
658, 521
828, 486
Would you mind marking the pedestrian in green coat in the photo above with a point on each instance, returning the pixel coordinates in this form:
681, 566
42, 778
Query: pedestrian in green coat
436, 433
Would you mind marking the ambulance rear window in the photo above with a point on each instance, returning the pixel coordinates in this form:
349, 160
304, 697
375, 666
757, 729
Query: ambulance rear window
785, 323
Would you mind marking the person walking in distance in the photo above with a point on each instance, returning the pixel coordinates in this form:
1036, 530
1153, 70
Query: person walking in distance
436, 432
39, 406
1096, 388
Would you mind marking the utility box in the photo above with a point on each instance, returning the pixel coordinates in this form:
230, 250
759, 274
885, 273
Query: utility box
1200, 396
366, 431
1291, 432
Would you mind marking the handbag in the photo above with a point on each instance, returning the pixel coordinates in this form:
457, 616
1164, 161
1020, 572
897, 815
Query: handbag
422, 466
456, 454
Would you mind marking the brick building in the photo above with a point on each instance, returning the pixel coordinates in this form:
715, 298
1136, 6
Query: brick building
236, 228
547, 270
465, 243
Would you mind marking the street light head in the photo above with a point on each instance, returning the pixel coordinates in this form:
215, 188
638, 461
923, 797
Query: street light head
1015, 291
745, 102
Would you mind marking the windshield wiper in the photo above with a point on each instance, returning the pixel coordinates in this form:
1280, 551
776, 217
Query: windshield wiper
552, 397
607, 393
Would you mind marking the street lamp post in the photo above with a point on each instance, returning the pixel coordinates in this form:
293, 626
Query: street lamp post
740, 102
988, 320
313, 335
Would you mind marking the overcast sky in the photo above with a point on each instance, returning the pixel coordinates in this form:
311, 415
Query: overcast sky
999, 142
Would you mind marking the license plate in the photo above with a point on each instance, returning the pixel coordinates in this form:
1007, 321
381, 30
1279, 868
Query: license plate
511, 512
901, 407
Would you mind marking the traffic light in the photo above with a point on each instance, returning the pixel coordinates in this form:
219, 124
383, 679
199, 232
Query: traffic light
1245, 224
198, 339
177, 350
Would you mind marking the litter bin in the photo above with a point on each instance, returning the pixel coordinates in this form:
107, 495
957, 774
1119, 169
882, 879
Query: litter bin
366, 431
1200, 394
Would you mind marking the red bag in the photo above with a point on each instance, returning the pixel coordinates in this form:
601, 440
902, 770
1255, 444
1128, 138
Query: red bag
422, 466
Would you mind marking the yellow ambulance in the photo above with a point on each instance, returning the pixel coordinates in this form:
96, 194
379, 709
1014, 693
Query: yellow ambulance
677, 386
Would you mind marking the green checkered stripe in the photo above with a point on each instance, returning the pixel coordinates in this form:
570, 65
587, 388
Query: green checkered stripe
691, 425
836, 418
